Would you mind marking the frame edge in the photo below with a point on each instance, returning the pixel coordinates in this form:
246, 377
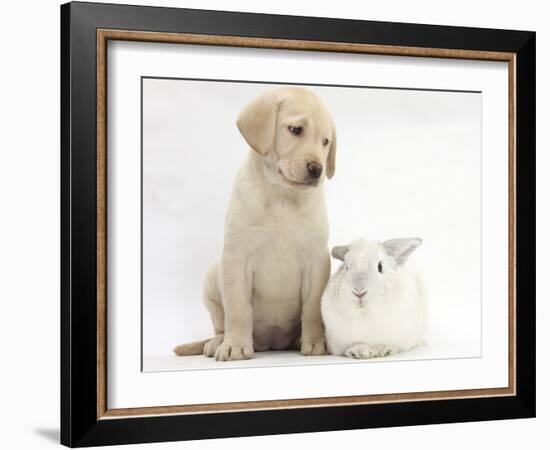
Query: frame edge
526, 224
65, 256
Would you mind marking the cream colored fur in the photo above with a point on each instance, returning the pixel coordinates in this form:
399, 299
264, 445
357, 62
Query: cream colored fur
265, 291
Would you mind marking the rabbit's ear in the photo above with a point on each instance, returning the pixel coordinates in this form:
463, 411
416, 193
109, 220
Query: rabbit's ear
340, 252
401, 248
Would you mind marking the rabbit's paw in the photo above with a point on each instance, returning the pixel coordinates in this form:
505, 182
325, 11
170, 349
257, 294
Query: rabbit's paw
360, 351
385, 350
364, 351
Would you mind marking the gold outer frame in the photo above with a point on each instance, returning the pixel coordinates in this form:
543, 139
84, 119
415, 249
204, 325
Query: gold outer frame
104, 35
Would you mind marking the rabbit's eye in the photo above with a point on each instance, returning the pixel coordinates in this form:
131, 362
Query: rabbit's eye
380, 268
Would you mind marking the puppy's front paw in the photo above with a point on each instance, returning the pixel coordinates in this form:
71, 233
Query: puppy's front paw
212, 345
314, 348
233, 352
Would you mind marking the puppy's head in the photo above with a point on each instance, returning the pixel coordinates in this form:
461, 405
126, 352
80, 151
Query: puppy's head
294, 134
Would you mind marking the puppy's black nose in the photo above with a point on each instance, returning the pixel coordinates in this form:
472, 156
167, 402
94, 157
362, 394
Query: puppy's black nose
315, 169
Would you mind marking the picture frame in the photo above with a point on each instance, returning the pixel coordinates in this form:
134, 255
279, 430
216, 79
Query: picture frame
86, 418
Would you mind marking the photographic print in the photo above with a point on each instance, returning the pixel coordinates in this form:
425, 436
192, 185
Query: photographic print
247, 189
276, 224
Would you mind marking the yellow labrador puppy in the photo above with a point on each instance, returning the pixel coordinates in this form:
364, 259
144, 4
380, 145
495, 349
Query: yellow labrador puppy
265, 291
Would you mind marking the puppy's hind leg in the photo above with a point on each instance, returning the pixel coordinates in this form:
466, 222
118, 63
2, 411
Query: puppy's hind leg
212, 299
213, 302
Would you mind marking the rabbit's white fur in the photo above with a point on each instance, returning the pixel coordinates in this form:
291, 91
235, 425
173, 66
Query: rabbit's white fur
368, 313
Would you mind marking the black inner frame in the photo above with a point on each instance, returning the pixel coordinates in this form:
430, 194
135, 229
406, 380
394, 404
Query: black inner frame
79, 423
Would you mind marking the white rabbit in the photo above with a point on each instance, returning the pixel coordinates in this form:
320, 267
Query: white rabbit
374, 305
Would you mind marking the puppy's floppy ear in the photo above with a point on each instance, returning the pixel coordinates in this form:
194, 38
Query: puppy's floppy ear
401, 248
331, 159
340, 251
257, 122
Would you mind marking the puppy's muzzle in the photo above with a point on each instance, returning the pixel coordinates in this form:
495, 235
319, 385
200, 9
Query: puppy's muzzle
314, 169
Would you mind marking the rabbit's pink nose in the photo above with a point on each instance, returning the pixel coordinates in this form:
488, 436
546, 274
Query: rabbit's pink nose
359, 295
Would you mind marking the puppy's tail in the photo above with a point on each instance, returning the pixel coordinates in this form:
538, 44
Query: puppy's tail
192, 348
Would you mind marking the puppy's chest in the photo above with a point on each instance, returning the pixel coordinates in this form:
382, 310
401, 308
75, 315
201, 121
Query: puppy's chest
287, 229
284, 246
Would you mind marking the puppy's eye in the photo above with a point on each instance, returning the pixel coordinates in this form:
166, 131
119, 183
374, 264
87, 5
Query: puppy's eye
325, 142
296, 131
380, 268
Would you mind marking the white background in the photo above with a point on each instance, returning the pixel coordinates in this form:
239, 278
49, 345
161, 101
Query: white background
30, 245
408, 164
